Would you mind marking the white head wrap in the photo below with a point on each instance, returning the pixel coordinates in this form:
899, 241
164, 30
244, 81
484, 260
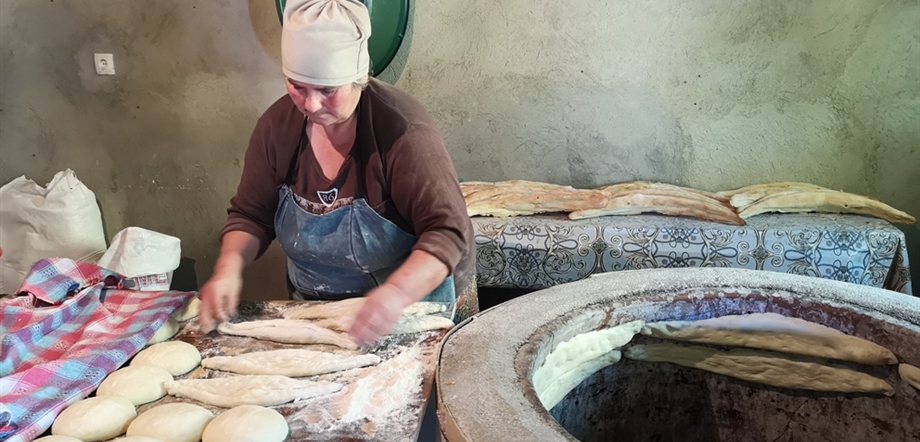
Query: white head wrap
324, 42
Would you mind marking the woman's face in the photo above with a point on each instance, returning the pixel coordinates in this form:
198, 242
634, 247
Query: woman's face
324, 105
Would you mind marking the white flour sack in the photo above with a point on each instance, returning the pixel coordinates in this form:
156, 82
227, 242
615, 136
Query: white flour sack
60, 220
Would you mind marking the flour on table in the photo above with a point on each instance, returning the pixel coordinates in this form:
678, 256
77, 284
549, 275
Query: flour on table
382, 390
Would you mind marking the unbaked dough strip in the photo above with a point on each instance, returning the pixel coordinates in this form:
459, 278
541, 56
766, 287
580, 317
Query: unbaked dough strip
266, 391
771, 331
289, 362
574, 360
351, 307
560, 386
288, 331
405, 325
769, 368
910, 374
415, 324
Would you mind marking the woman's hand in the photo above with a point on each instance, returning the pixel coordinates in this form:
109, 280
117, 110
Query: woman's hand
383, 307
412, 281
221, 294
219, 298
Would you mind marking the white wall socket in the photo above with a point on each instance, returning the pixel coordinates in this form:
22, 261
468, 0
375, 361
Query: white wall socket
105, 64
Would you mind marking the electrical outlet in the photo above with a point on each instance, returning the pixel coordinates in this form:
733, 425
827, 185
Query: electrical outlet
105, 64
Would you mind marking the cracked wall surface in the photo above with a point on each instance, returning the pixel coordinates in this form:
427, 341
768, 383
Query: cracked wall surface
711, 94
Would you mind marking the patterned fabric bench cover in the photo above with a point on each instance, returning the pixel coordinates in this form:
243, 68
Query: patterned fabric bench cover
536, 252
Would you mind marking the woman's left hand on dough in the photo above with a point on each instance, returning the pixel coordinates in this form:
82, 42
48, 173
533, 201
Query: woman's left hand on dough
382, 309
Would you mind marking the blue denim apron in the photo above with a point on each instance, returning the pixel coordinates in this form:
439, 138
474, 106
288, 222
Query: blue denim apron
346, 252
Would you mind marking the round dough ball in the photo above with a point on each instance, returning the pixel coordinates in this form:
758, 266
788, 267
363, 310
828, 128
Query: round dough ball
57, 439
139, 384
137, 439
247, 423
168, 330
188, 310
95, 419
175, 422
176, 357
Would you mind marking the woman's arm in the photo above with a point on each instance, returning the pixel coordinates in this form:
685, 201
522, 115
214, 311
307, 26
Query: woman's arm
249, 228
412, 281
221, 294
418, 276
425, 191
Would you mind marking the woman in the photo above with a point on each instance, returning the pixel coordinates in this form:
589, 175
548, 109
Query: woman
352, 177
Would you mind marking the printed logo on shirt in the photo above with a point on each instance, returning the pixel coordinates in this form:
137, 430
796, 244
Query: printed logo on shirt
322, 208
328, 197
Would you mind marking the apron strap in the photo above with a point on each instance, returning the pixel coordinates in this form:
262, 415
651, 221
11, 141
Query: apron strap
360, 186
361, 155
294, 165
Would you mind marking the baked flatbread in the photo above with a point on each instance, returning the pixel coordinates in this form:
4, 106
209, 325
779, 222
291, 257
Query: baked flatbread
614, 189
770, 331
789, 371
515, 198
665, 203
825, 201
745, 196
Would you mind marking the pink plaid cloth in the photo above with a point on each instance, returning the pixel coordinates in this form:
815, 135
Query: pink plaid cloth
72, 325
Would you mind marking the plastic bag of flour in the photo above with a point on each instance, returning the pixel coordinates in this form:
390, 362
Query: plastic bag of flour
148, 258
60, 220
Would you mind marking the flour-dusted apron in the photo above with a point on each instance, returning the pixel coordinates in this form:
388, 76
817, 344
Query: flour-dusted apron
346, 252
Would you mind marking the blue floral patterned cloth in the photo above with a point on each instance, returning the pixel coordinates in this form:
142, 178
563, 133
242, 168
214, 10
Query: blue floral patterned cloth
542, 251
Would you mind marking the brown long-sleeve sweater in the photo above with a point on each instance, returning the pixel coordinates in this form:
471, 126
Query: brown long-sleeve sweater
409, 176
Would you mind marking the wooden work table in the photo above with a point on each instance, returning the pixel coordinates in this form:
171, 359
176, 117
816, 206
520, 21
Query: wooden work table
321, 419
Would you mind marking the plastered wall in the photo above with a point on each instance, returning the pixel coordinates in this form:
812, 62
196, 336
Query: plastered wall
711, 94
